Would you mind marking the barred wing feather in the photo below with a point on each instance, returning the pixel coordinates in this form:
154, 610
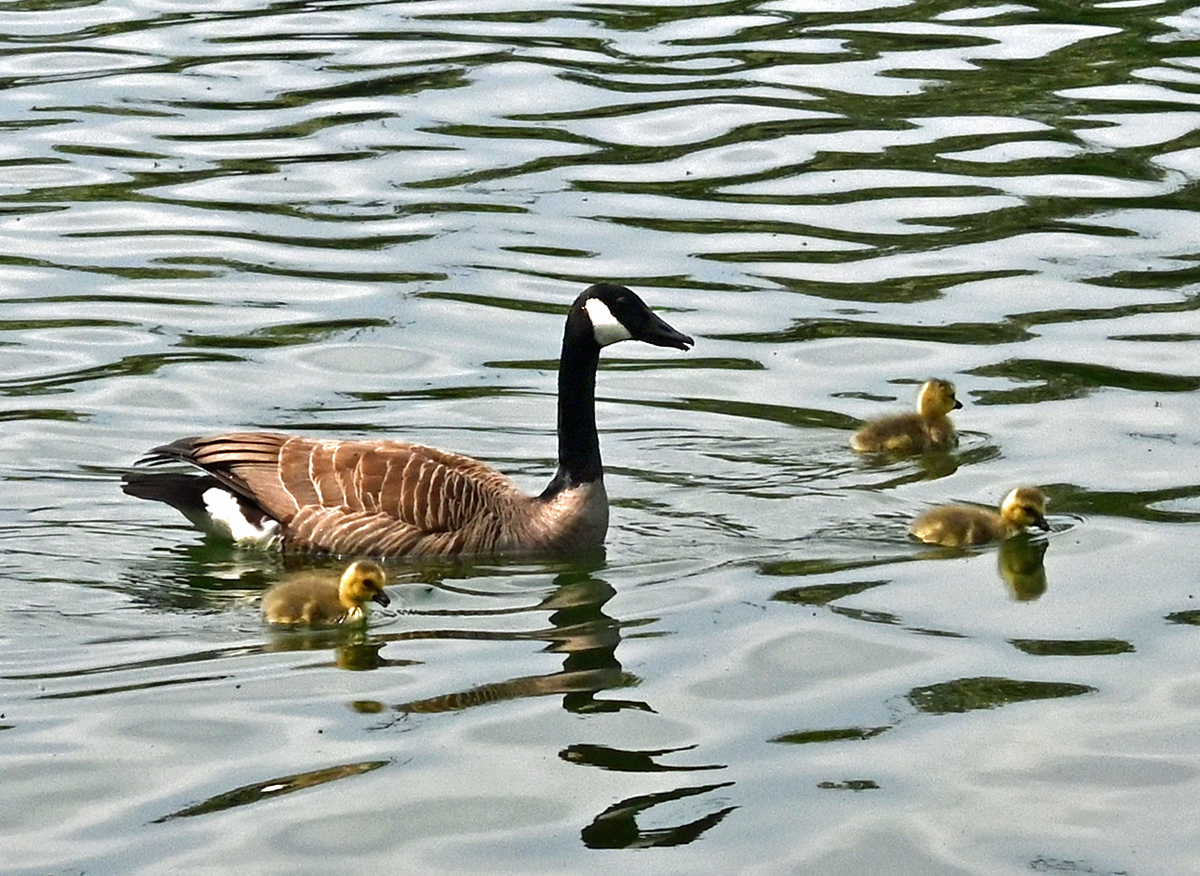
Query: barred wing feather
377, 497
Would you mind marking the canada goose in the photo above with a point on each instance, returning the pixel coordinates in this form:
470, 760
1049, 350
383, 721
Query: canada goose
961, 525
391, 498
314, 599
928, 429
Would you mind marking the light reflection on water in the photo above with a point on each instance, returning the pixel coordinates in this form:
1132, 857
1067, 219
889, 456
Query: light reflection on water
368, 218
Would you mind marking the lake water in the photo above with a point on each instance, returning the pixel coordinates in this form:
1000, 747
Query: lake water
368, 218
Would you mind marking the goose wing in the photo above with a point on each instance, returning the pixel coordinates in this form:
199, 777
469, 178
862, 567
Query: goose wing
372, 497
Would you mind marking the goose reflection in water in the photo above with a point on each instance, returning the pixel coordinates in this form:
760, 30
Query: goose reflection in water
578, 628
617, 828
620, 760
272, 788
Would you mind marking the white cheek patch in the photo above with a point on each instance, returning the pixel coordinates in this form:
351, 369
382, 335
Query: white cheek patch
224, 510
606, 328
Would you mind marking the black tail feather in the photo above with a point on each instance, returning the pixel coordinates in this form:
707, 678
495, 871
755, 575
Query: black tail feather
185, 493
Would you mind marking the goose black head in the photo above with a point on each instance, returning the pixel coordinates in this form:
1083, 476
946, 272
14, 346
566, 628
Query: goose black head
618, 314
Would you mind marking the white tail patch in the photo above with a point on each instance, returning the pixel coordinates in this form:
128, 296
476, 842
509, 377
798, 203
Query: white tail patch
226, 514
606, 327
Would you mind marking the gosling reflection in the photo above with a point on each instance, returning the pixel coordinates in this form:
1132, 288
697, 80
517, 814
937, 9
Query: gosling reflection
929, 428
578, 628
617, 828
353, 648
1021, 567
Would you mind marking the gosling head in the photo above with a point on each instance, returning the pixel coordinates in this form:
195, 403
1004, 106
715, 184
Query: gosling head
615, 313
937, 398
362, 582
1025, 506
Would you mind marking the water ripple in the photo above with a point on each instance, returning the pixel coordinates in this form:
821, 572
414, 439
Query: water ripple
349, 217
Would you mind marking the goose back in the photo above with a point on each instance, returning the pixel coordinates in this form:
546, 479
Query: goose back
389, 498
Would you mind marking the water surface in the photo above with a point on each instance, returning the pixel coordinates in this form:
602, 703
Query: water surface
368, 219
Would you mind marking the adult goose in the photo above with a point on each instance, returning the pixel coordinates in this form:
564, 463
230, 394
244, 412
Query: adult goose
392, 498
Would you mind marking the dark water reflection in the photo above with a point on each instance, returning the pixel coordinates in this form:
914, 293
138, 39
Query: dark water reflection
353, 218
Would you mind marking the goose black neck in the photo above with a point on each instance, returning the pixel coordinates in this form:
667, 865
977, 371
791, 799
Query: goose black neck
578, 444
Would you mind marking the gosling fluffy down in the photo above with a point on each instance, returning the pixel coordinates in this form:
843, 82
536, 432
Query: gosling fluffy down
927, 429
963, 525
318, 601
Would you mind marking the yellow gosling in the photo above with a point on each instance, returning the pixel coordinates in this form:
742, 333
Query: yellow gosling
962, 525
927, 429
319, 601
